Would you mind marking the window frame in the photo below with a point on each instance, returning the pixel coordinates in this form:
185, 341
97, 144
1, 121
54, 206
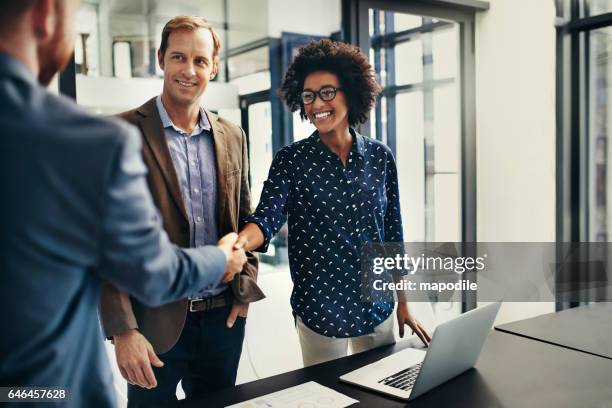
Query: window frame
355, 26
573, 204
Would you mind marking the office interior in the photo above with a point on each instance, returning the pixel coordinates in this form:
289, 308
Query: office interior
497, 112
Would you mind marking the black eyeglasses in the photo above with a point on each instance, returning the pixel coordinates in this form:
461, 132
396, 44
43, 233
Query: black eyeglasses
327, 93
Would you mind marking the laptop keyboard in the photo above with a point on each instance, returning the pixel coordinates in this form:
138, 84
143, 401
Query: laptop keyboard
404, 380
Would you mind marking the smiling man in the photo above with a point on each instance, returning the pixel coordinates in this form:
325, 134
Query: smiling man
198, 171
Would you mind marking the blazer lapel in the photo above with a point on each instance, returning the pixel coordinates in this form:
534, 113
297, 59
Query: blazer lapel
222, 162
153, 132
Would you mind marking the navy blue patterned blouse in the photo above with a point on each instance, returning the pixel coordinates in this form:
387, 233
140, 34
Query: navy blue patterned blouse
332, 210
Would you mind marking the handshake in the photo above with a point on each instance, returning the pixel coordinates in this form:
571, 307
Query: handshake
233, 248
135, 354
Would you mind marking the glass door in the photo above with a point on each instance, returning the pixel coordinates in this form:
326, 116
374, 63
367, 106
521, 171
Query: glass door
423, 58
418, 116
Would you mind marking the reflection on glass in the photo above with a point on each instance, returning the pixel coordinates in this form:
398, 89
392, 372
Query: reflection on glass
260, 146
410, 157
444, 51
137, 23
446, 131
447, 211
372, 22
595, 7
248, 20
406, 21
408, 62
600, 122
259, 81
249, 62
86, 45
116, 51
122, 59
425, 127
425, 130
383, 136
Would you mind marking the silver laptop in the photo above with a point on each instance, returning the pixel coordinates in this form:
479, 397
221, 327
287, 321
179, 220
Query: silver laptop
454, 348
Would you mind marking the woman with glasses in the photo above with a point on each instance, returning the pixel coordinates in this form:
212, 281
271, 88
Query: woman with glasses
338, 190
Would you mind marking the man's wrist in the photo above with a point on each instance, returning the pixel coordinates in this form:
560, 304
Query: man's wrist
124, 334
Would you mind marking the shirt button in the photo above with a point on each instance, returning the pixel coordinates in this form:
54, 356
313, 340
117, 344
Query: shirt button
195, 190
198, 219
194, 162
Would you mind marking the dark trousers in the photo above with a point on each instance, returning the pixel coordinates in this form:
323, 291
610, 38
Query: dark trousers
205, 358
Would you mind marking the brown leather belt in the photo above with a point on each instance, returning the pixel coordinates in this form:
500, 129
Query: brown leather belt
209, 303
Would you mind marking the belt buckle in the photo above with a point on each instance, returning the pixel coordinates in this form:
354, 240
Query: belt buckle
191, 303
207, 304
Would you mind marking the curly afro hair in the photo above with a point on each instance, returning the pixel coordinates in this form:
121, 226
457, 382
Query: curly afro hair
347, 62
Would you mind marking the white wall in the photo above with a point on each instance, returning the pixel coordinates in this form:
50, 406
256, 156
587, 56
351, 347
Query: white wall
108, 95
248, 21
257, 19
515, 124
313, 17
515, 91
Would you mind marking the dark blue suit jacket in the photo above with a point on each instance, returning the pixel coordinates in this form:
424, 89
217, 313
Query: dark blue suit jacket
75, 209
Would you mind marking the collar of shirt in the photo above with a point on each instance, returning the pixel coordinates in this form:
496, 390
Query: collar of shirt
203, 123
357, 147
9, 65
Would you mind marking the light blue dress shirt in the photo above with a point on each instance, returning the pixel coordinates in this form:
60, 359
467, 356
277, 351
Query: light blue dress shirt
193, 155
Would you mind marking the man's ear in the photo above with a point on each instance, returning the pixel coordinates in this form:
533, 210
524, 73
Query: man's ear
215, 68
160, 59
43, 17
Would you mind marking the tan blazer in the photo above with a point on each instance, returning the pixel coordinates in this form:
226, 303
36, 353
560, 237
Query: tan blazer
162, 326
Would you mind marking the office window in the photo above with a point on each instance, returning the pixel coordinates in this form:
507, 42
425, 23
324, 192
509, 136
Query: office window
585, 117
116, 49
418, 117
259, 116
599, 122
595, 7
248, 61
423, 56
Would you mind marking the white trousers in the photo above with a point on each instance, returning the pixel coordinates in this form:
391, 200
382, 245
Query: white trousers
317, 348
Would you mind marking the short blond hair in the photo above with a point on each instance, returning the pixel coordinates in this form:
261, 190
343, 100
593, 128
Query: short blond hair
188, 23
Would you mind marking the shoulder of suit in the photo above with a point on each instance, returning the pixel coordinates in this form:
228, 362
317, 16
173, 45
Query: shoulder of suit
66, 115
70, 127
130, 116
134, 116
229, 128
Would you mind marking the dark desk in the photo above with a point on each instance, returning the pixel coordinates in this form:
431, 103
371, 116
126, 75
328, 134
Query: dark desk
512, 372
586, 328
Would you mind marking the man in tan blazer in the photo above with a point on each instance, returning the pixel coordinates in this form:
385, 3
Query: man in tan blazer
198, 170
